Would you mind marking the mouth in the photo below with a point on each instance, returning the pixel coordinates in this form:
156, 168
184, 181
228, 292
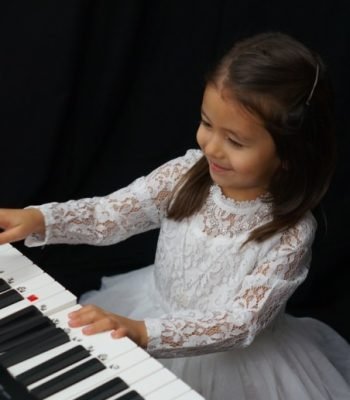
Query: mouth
217, 168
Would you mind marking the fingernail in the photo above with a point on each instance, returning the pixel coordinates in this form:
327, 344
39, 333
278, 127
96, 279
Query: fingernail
86, 330
114, 335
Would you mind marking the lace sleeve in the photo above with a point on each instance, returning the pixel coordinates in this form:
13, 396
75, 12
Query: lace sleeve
106, 220
261, 295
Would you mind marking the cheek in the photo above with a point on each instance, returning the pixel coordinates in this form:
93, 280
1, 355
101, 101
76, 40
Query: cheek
200, 137
244, 163
250, 165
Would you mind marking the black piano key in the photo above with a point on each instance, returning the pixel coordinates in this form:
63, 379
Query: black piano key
53, 365
10, 389
20, 328
33, 348
30, 337
9, 297
22, 314
133, 395
68, 378
106, 390
4, 286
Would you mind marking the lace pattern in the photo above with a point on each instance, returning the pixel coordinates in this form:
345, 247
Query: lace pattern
232, 217
238, 303
106, 220
216, 295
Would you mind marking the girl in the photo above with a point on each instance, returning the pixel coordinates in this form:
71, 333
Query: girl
235, 236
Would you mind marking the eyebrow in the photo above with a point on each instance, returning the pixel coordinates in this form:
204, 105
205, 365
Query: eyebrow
237, 134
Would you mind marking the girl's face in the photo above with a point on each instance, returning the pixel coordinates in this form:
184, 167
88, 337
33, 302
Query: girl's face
241, 154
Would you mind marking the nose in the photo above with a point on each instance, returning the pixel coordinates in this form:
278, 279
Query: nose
214, 146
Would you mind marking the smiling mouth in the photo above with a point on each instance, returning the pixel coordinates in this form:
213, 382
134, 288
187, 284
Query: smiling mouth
218, 168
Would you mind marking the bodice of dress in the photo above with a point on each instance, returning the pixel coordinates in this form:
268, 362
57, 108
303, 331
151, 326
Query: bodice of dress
218, 293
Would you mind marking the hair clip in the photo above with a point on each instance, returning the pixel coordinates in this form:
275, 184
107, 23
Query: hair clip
314, 85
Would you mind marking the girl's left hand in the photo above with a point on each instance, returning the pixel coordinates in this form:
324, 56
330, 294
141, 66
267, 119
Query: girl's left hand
95, 319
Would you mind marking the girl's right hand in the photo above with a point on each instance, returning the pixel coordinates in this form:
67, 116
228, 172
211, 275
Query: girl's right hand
17, 224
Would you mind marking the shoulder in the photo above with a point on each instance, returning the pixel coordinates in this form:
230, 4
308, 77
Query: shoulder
179, 165
297, 238
302, 233
166, 176
189, 158
193, 154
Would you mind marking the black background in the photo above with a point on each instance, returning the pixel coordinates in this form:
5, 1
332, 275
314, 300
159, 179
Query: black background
96, 93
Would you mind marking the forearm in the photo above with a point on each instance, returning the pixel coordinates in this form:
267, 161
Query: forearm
136, 208
95, 221
193, 332
215, 331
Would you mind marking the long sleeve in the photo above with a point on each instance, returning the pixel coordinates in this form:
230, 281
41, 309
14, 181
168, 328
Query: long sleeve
260, 296
136, 208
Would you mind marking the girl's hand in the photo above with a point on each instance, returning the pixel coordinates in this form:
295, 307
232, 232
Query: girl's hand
95, 320
17, 224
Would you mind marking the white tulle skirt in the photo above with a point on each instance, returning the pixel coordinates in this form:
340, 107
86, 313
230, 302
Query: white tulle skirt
295, 359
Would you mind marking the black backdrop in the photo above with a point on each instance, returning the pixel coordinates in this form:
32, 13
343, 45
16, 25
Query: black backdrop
96, 93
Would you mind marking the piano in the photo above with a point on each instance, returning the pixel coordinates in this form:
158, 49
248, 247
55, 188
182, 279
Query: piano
42, 358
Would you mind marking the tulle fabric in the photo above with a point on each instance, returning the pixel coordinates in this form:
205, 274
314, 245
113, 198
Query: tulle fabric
293, 359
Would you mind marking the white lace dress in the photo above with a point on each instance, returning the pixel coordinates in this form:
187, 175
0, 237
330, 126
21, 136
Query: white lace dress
213, 309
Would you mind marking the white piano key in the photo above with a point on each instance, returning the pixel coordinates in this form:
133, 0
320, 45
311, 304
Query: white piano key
130, 367
8, 248
20, 275
101, 345
39, 359
153, 382
98, 348
62, 315
32, 297
54, 375
12, 261
82, 387
171, 391
48, 306
4, 249
129, 359
191, 395
143, 369
114, 368
56, 302
140, 371
25, 288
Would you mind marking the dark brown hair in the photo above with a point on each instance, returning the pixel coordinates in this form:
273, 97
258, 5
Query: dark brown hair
273, 75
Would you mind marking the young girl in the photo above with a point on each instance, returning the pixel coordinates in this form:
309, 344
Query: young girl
235, 236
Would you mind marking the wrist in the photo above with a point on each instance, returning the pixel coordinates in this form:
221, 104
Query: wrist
143, 336
38, 220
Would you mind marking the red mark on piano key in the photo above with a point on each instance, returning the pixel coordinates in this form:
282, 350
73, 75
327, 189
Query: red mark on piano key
32, 297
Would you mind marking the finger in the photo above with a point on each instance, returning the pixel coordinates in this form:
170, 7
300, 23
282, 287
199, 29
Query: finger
85, 310
84, 317
4, 223
119, 333
11, 235
8, 219
102, 325
81, 311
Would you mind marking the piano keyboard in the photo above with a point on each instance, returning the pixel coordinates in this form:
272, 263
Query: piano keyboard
42, 358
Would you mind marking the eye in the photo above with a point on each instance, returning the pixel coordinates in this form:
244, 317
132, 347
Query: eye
234, 142
205, 123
